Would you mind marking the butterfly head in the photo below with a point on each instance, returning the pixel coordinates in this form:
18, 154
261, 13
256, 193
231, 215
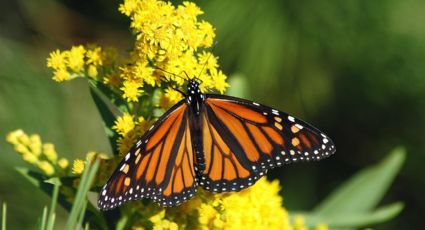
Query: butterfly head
193, 87
194, 95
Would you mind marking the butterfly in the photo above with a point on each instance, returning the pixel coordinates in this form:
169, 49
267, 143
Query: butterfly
218, 142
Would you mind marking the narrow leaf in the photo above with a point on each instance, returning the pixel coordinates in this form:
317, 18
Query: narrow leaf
364, 190
107, 111
3, 217
43, 219
85, 183
354, 219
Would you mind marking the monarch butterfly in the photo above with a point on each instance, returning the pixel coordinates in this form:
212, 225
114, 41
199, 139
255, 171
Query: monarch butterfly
222, 143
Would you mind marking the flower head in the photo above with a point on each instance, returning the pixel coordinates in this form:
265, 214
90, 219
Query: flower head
75, 58
78, 166
57, 60
124, 124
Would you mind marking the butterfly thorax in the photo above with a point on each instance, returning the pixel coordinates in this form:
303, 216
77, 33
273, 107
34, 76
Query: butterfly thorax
194, 96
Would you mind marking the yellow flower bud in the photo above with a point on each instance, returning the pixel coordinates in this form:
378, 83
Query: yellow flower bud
46, 167
63, 163
13, 137
35, 144
50, 152
92, 71
22, 149
30, 158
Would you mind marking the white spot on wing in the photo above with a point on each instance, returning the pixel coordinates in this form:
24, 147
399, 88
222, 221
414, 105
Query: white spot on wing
291, 118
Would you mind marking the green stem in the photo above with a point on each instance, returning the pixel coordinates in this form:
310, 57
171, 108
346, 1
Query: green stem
3, 220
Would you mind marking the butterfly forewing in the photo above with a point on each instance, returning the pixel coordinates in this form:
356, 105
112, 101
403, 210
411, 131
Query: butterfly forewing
243, 139
160, 166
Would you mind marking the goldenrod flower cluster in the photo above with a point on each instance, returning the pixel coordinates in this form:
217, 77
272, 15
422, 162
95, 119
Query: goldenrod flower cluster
80, 61
257, 207
129, 129
41, 155
44, 155
167, 37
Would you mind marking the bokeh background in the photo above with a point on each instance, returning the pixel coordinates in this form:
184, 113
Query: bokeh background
355, 69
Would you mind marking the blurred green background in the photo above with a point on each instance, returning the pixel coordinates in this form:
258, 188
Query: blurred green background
354, 68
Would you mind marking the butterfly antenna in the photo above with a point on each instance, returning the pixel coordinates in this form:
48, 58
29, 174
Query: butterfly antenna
187, 76
165, 71
175, 88
208, 58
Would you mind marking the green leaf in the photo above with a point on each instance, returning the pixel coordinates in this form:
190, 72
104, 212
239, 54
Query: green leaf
107, 110
39, 180
42, 224
52, 215
81, 197
365, 189
354, 219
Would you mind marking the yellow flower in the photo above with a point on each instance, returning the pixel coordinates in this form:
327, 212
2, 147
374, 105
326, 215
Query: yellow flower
95, 56
257, 207
190, 10
61, 75
208, 30
63, 163
131, 91
219, 80
57, 60
50, 152
124, 124
78, 166
170, 98
128, 7
207, 214
160, 222
76, 58
207, 59
46, 167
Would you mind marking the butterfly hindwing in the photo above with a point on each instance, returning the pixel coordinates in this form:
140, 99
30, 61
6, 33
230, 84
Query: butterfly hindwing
243, 139
160, 166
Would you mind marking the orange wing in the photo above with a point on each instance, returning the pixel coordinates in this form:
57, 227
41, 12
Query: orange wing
160, 166
243, 139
